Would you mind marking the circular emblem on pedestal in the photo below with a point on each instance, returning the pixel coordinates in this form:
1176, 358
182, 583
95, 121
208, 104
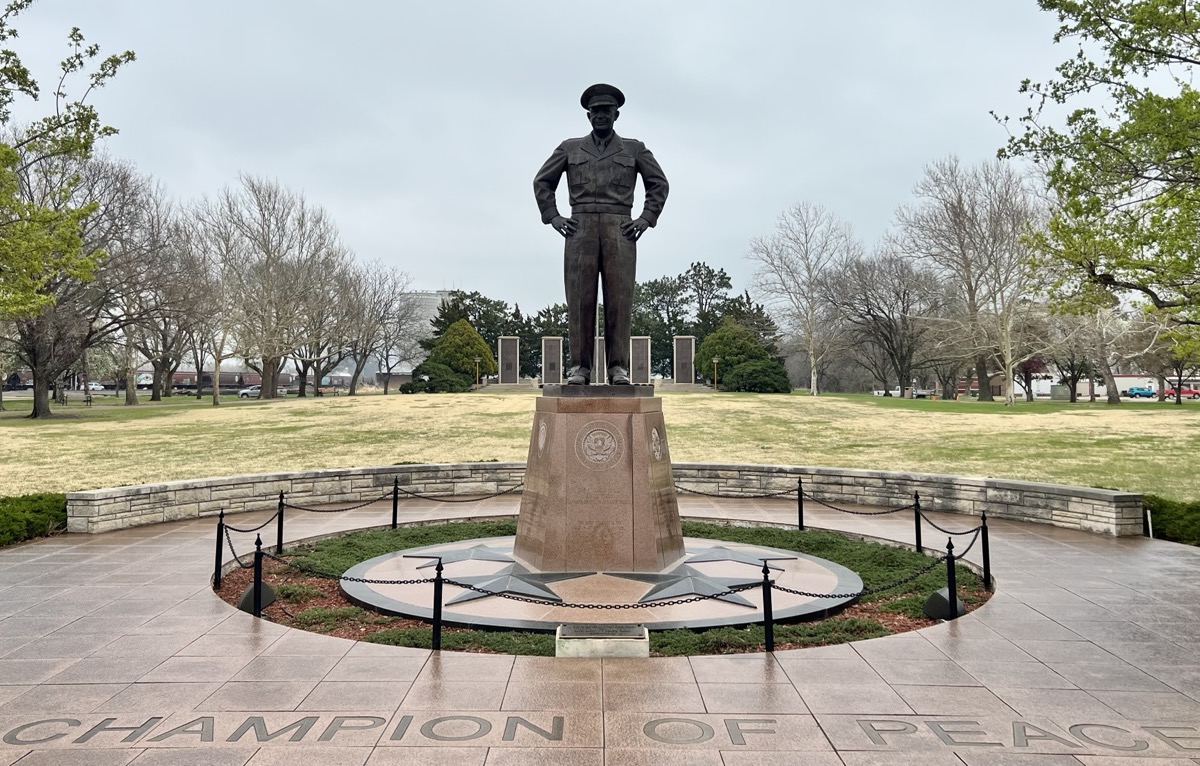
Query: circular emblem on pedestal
541, 442
599, 446
657, 443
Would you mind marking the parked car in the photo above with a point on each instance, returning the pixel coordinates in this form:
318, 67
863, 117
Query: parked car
1135, 392
94, 386
1186, 393
253, 391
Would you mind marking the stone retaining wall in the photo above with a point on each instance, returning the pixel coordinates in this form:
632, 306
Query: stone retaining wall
1093, 510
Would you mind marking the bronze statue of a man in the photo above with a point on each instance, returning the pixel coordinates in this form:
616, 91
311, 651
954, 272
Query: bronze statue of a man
601, 233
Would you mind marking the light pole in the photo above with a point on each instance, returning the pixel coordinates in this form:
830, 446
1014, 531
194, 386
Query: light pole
715, 360
477, 361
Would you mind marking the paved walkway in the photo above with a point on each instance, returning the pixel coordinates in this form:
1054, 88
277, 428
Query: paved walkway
113, 650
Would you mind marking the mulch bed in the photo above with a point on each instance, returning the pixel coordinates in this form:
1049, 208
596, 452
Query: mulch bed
235, 582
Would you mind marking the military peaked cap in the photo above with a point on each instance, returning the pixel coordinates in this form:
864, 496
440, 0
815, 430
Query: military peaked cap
601, 94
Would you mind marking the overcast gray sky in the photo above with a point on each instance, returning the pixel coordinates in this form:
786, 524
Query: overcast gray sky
420, 125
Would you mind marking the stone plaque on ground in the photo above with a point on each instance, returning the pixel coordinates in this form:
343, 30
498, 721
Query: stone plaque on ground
509, 362
600, 630
552, 354
639, 359
685, 358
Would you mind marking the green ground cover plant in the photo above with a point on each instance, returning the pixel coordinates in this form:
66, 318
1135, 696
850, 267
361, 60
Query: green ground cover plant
1173, 520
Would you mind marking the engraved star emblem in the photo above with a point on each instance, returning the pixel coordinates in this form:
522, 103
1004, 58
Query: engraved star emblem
514, 579
685, 580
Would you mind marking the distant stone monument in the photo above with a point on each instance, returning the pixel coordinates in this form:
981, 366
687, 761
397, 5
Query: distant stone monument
552, 350
508, 347
639, 359
685, 358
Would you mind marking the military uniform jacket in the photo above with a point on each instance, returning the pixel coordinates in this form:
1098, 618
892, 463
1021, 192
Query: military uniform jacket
601, 182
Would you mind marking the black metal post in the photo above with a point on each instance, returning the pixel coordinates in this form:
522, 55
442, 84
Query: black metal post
799, 503
219, 565
258, 556
951, 582
917, 520
395, 499
437, 605
987, 551
279, 527
768, 618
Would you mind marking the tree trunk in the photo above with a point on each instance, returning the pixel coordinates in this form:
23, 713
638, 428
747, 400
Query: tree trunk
304, 369
41, 397
1110, 383
216, 394
155, 381
130, 377
358, 369
982, 365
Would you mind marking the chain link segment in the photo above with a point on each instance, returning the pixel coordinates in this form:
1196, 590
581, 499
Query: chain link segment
475, 499
330, 576
739, 496
338, 510
229, 528
947, 531
238, 559
572, 605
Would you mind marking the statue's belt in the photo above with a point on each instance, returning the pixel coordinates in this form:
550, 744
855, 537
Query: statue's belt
600, 207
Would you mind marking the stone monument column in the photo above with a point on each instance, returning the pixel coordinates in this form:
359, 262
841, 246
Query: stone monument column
599, 363
685, 358
552, 354
599, 495
639, 359
508, 360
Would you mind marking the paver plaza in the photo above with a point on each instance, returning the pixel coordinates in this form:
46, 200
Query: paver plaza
114, 650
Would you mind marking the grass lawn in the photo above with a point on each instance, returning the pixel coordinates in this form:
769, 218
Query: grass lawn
1143, 446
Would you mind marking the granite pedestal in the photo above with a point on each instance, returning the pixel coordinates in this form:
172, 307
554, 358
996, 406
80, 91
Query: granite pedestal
598, 494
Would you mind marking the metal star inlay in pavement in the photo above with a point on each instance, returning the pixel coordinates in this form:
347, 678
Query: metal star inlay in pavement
474, 553
514, 579
721, 553
685, 580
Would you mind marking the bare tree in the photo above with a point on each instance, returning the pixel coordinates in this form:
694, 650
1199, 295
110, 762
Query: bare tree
970, 224
286, 242
888, 301
380, 300
793, 263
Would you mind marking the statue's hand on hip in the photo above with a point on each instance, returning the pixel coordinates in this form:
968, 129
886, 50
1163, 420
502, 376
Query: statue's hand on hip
565, 226
634, 229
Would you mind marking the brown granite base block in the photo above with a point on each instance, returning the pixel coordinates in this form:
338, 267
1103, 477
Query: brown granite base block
598, 494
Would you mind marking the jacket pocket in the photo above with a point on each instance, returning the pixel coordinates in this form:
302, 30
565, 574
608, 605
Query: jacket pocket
624, 171
579, 172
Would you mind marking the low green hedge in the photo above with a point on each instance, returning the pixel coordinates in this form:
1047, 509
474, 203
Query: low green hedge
1173, 520
28, 516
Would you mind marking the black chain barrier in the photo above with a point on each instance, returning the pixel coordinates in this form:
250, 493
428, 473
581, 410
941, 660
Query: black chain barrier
229, 529
338, 510
739, 496
819, 501
474, 499
974, 530
791, 492
572, 605
866, 591
331, 576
